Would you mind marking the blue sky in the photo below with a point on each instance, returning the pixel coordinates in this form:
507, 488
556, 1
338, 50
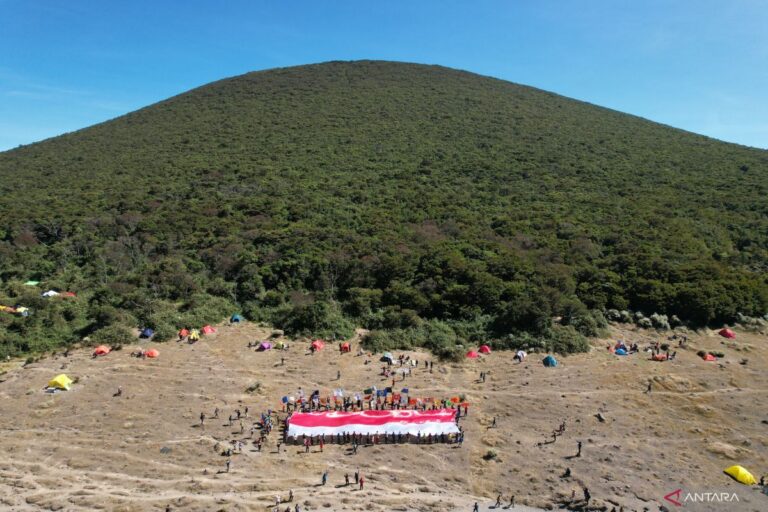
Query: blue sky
700, 65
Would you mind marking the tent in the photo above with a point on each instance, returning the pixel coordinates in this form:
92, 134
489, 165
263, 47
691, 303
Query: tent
659, 357
153, 352
236, 318
387, 358
485, 349
68, 294
194, 335
50, 293
264, 345
280, 344
101, 350
32, 283
520, 355
146, 333
740, 475
184, 333
710, 357
208, 330
549, 362
472, 354
345, 347
727, 333
60, 382
317, 345
621, 352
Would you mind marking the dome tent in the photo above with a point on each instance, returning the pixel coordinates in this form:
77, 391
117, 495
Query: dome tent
101, 350
61, 381
472, 354
236, 318
727, 333
485, 349
549, 361
146, 333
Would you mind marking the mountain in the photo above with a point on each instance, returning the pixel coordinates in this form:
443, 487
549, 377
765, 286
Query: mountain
430, 204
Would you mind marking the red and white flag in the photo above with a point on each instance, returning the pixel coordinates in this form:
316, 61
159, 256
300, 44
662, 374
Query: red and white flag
441, 421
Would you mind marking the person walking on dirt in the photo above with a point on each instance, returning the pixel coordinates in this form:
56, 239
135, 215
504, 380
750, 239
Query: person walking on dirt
325, 477
587, 497
650, 385
578, 446
476, 508
362, 482
202, 420
229, 464
498, 501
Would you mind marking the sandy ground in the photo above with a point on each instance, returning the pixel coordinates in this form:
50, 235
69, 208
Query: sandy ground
87, 450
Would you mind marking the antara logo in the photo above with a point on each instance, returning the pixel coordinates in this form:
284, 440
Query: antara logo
678, 497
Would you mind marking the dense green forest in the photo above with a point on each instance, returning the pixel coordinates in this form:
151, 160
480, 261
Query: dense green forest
433, 206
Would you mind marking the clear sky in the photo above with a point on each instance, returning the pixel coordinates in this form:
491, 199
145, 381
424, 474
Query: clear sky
700, 65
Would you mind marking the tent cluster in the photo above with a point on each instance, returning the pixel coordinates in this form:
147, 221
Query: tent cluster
54, 293
474, 354
18, 310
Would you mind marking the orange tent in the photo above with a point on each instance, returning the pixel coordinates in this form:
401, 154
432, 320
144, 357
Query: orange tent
727, 333
101, 350
345, 347
318, 345
184, 333
152, 353
485, 349
208, 330
472, 354
68, 294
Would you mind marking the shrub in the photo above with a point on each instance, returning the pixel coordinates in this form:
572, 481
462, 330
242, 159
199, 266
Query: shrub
660, 321
111, 335
645, 323
490, 455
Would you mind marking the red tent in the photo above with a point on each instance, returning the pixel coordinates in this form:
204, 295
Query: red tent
485, 349
727, 333
152, 353
710, 357
345, 347
68, 294
184, 333
101, 350
318, 345
472, 354
208, 330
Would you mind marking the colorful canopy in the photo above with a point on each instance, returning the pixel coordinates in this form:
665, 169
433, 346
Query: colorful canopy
485, 349
440, 421
60, 382
727, 333
472, 354
194, 334
101, 350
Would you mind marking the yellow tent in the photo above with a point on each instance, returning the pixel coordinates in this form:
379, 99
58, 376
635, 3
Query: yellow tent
60, 382
279, 344
194, 335
741, 475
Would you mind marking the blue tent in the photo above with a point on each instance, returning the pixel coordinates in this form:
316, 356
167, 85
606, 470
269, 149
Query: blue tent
387, 358
236, 318
549, 361
147, 333
621, 352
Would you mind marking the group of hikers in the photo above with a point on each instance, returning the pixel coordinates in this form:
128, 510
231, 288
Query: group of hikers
367, 439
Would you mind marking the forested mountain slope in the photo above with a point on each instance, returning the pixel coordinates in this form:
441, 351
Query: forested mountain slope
437, 202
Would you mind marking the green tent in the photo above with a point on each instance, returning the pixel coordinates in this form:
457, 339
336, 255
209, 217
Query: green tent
32, 283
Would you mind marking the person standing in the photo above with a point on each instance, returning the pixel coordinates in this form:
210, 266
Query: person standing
578, 445
325, 477
587, 497
357, 476
362, 482
229, 464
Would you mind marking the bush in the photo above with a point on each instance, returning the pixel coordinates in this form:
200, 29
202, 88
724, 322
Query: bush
660, 321
164, 332
112, 335
490, 455
320, 319
645, 323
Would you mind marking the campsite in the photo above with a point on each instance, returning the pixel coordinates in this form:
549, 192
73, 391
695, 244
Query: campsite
85, 449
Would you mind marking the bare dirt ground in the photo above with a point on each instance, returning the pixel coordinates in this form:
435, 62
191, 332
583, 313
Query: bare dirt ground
87, 450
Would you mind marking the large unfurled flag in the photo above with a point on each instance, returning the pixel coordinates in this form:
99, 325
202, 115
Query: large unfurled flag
440, 421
